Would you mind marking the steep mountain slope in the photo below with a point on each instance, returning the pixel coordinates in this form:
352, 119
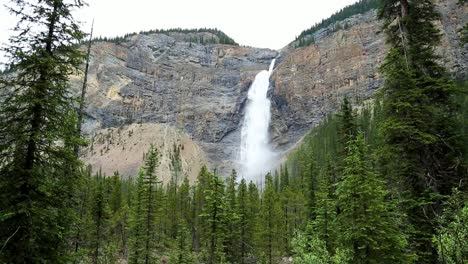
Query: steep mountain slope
121, 149
200, 90
165, 79
309, 82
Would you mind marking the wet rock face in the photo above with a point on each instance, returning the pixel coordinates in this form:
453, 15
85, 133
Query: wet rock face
310, 82
157, 78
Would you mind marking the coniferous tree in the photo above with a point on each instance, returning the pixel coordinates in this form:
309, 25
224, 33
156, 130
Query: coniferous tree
119, 212
79, 239
214, 215
231, 240
186, 202
271, 215
348, 126
137, 221
367, 224
242, 212
146, 209
39, 171
325, 212
284, 177
183, 253
151, 207
288, 217
421, 149
252, 238
199, 200
101, 214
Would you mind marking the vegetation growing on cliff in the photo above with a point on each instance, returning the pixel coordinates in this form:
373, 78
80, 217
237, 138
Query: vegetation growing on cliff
221, 37
362, 6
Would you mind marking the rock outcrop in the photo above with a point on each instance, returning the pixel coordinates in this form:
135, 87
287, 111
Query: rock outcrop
200, 90
164, 79
310, 82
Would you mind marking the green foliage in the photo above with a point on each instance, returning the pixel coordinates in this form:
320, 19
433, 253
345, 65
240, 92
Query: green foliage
270, 234
366, 224
39, 172
231, 242
310, 249
452, 236
182, 254
421, 149
214, 215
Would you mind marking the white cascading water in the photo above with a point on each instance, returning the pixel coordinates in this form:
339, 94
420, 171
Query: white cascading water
256, 155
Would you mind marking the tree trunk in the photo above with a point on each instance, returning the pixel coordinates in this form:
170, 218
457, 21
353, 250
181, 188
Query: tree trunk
83, 90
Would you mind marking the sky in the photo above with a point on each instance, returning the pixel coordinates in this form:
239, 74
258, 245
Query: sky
258, 23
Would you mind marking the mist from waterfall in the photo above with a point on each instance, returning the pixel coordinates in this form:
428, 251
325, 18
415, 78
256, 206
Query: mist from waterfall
256, 155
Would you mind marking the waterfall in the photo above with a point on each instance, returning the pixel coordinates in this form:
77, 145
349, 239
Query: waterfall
256, 156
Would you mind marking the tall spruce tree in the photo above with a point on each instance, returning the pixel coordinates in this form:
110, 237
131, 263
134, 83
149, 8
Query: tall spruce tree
38, 132
241, 210
325, 212
151, 208
137, 221
214, 215
100, 213
199, 200
271, 215
146, 211
421, 149
367, 224
252, 239
231, 241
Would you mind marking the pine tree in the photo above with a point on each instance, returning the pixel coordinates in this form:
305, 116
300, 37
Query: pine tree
421, 149
151, 207
366, 224
101, 214
119, 211
39, 171
146, 211
81, 210
199, 200
231, 241
185, 200
270, 213
288, 217
252, 233
183, 253
242, 212
284, 177
214, 215
323, 225
348, 126
137, 221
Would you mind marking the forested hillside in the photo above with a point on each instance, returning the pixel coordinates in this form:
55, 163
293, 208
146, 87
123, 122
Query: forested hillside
380, 181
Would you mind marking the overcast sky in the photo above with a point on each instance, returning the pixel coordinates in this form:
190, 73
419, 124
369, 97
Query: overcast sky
259, 23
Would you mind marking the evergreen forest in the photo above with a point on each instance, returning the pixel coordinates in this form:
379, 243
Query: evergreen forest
380, 181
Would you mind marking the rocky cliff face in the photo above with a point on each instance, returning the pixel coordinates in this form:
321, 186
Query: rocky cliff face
200, 90
310, 82
164, 79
